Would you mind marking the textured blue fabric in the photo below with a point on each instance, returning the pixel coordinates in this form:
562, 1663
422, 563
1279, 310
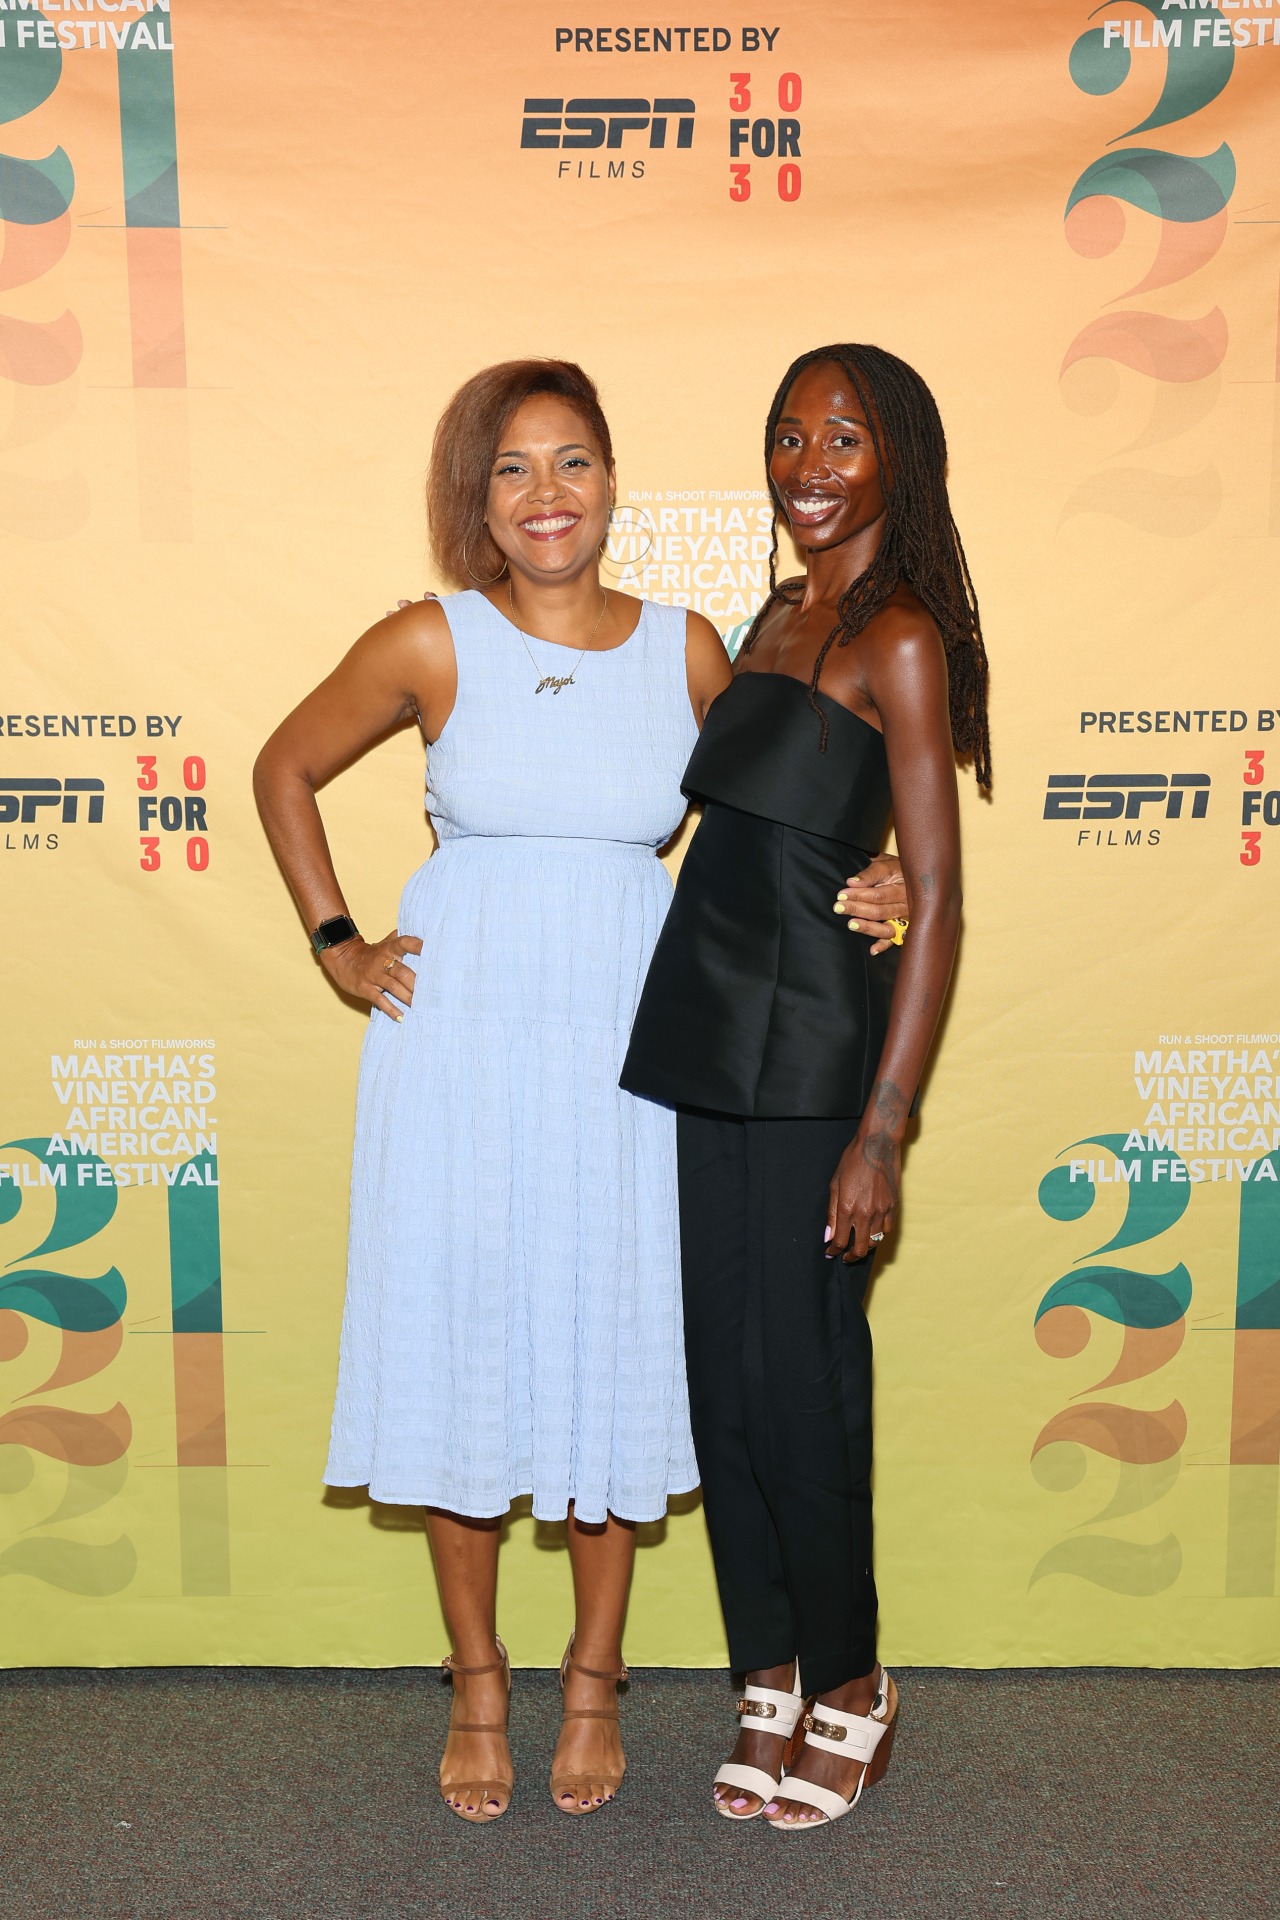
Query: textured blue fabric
512, 1322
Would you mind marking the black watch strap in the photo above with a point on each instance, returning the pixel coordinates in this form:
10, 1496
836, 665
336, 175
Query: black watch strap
332, 932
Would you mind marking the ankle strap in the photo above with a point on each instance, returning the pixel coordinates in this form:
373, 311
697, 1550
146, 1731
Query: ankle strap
450, 1665
618, 1674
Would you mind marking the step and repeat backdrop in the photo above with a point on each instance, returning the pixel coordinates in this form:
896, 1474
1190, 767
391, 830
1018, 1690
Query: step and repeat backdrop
248, 253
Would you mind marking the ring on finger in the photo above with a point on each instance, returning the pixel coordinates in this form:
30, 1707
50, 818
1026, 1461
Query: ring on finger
387, 965
876, 1238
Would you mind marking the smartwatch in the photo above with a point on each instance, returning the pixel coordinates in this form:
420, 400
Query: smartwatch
332, 932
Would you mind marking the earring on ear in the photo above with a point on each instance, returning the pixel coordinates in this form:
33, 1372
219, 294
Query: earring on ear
629, 529
475, 576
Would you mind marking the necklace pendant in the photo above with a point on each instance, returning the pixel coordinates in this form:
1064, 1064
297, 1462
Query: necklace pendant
555, 683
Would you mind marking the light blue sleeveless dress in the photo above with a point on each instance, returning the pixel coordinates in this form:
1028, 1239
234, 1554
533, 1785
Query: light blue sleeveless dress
512, 1321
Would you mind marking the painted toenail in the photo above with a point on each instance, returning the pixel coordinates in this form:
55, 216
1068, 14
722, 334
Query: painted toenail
772, 1807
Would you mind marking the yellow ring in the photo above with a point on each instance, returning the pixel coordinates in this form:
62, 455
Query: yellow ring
899, 930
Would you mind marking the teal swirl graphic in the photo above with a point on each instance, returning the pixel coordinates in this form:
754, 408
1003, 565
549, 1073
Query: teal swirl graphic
62, 1300
33, 192
1117, 1293
1173, 186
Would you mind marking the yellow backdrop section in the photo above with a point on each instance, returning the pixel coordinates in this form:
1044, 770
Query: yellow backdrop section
248, 254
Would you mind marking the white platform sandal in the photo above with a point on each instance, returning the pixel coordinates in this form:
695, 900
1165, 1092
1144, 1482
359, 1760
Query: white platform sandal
852, 1736
761, 1710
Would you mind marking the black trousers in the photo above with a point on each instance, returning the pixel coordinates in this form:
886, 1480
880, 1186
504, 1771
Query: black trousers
779, 1362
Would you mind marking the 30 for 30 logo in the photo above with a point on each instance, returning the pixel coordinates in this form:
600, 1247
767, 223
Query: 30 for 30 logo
765, 136
163, 811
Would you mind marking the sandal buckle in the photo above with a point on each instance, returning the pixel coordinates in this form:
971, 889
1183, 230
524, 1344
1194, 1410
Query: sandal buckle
758, 1709
825, 1729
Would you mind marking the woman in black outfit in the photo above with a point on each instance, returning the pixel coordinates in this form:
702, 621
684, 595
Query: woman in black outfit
793, 1054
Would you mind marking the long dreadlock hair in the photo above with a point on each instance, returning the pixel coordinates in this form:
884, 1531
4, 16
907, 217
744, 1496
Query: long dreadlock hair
920, 547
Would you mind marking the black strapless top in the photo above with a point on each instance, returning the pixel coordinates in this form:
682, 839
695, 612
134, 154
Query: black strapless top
758, 1000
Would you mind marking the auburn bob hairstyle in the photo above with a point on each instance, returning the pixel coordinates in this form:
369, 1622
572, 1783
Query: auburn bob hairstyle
462, 455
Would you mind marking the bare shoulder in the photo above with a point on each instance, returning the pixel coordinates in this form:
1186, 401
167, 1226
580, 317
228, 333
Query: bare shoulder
408, 643
406, 659
708, 670
422, 624
903, 639
701, 639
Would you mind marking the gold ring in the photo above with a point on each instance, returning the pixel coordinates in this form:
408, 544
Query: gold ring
389, 964
899, 930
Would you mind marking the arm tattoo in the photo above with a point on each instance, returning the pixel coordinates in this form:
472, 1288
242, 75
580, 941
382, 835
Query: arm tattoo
891, 1104
880, 1147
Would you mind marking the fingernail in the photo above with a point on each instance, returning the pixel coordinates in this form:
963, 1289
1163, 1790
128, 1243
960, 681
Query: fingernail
827, 1233
840, 909
842, 895
853, 926
398, 1017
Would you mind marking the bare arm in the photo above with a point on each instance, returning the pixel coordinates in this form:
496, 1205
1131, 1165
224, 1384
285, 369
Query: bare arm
402, 666
906, 676
707, 665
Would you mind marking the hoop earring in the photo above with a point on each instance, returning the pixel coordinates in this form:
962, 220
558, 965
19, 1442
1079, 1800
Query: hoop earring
475, 576
643, 519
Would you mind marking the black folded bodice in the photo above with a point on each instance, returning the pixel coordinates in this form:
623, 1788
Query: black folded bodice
759, 1001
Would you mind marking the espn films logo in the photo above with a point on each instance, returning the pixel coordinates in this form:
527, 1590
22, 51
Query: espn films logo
40, 801
1140, 797
600, 126
27, 799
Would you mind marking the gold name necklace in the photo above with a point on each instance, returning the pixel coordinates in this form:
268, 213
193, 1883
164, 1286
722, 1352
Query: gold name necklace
553, 680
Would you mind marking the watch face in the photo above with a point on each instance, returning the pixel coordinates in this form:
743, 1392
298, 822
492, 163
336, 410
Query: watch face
332, 933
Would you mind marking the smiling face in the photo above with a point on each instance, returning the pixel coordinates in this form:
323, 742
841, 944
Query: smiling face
823, 460
550, 490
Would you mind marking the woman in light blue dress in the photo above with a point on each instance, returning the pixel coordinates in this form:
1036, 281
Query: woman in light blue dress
512, 1322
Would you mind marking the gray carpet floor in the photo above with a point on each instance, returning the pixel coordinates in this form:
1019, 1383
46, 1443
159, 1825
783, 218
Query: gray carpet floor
237, 1794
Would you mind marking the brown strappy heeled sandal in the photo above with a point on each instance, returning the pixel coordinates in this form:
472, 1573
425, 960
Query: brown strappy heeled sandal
574, 1783
479, 1792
